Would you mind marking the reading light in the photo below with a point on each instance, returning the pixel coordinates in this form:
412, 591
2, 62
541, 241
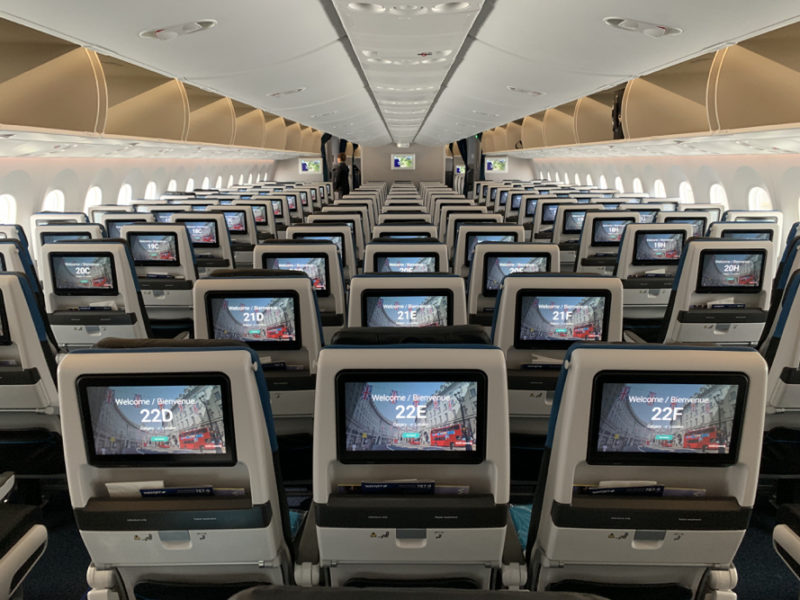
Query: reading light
366, 7
173, 31
286, 92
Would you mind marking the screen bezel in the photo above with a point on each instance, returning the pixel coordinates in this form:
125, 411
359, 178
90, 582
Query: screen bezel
158, 460
84, 235
124, 222
485, 291
670, 261
405, 292
278, 255
573, 293
723, 236
316, 237
155, 263
701, 289
595, 457
564, 221
528, 211
243, 212
202, 244
676, 220
346, 456
263, 345
113, 291
597, 223
379, 255
471, 234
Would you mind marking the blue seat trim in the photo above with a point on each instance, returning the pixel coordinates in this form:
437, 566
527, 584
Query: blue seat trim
33, 306
788, 300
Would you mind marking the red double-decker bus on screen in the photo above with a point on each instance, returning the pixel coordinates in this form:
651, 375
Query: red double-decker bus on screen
703, 439
451, 436
197, 439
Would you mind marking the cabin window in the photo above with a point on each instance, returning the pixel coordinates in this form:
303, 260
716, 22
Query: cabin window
686, 192
206, 183
172, 186
241, 179
151, 191
659, 190
758, 199
8, 209
230, 181
589, 180
93, 197
603, 182
190, 185
250, 178
638, 188
218, 184
125, 195
541, 174
717, 195
618, 185
577, 179
54, 201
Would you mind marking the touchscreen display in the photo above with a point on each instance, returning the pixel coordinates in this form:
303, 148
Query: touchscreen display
154, 249
264, 318
315, 266
401, 310
395, 263
658, 248
734, 271
497, 266
560, 318
83, 274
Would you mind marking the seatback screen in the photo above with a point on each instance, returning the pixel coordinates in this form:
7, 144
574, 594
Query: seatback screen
202, 233
497, 266
740, 234
698, 224
304, 198
114, 226
277, 208
411, 416
666, 418
646, 216
259, 213
262, 319
608, 232
148, 420
236, 221
336, 238
549, 214
516, 201
401, 308
729, 271
573, 221
154, 248
313, 265
83, 274
657, 248
557, 319
530, 206
503, 197
474, 238
54, 238
406, 263
291, 200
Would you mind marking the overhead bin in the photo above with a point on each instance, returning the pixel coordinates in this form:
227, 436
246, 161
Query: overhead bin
533, 131
592, 118
558, 125
212, 119
276, 132
251, 126
293, 136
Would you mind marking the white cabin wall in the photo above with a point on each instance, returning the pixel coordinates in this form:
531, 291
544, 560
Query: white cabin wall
289, 170
376, 163
28, 180
779, 174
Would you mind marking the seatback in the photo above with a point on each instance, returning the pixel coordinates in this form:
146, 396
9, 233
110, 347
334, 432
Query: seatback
377, 407
169, 415
63, 232
715, 211
14, 256
569, 223
401, 300
340, 235
208, 233
721, 292
646, 213
453, 220
274, 312
538, 316
405, 256
354, 222
113, 222
494, 261
263, 215
470, 236
651, 248
91, 292
544, 217
241, 224
755, 216
745, 230
783, 357
527, 208
404, 231
45, 217
600, 240
699, 220
626, 416
161, 249
98, 210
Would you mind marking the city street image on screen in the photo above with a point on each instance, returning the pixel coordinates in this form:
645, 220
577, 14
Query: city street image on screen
154, 247
473, 239
573, 221
313, 266
405, 264
731, 270
337, 239
156, 419
406, 311
562, 318
250, 319
411, 415
609, 231
666, 417
497, 267
235, 221
82, 272
202, 232
658, 246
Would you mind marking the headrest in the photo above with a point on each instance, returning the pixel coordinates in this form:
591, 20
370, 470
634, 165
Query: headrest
136, 344
405, 222
377, 336
262, 273
419, 240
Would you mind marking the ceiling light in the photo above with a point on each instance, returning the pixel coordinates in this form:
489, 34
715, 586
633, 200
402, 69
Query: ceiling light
286, 92
369, 7
517, 90
170, 32
653, 30
449, 7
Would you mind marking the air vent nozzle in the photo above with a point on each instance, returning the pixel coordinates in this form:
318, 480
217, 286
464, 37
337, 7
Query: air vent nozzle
653, 30
173, 31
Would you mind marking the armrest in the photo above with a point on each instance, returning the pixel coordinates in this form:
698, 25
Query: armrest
631, 338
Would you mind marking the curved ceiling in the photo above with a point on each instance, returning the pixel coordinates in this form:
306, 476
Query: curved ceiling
439, 71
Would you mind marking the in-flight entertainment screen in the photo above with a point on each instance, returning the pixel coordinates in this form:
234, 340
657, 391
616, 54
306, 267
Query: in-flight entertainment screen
83, 274
336, 239
497, 266
516, 200
262, 319
407, 308
313, 265
698, 224
742, 234
666, 418
559, 318
474, 238
658, 248
573, 221
406, 263
156, 249
202, 233
730, 271
54, 238
608, 232
530, 206
411, 416
236, 221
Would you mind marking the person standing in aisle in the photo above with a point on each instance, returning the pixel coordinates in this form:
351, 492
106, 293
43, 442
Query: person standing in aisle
341, 175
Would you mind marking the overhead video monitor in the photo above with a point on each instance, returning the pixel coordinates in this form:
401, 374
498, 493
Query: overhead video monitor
503, 197
395, 262
55, 238
154, 249
474, 238
573, 221
236, 221
411, 416
263, 319
113, 226
202, 233
730, 271
497, 164
664, 419
407, 308
291, 201
277, 208
530, 206
83, 273
608, 232
658, 248
698, 224
516, 201
310, 166
313, 265
496, 265
404, 162
148, 420
741, 234
336, 238
557, 318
